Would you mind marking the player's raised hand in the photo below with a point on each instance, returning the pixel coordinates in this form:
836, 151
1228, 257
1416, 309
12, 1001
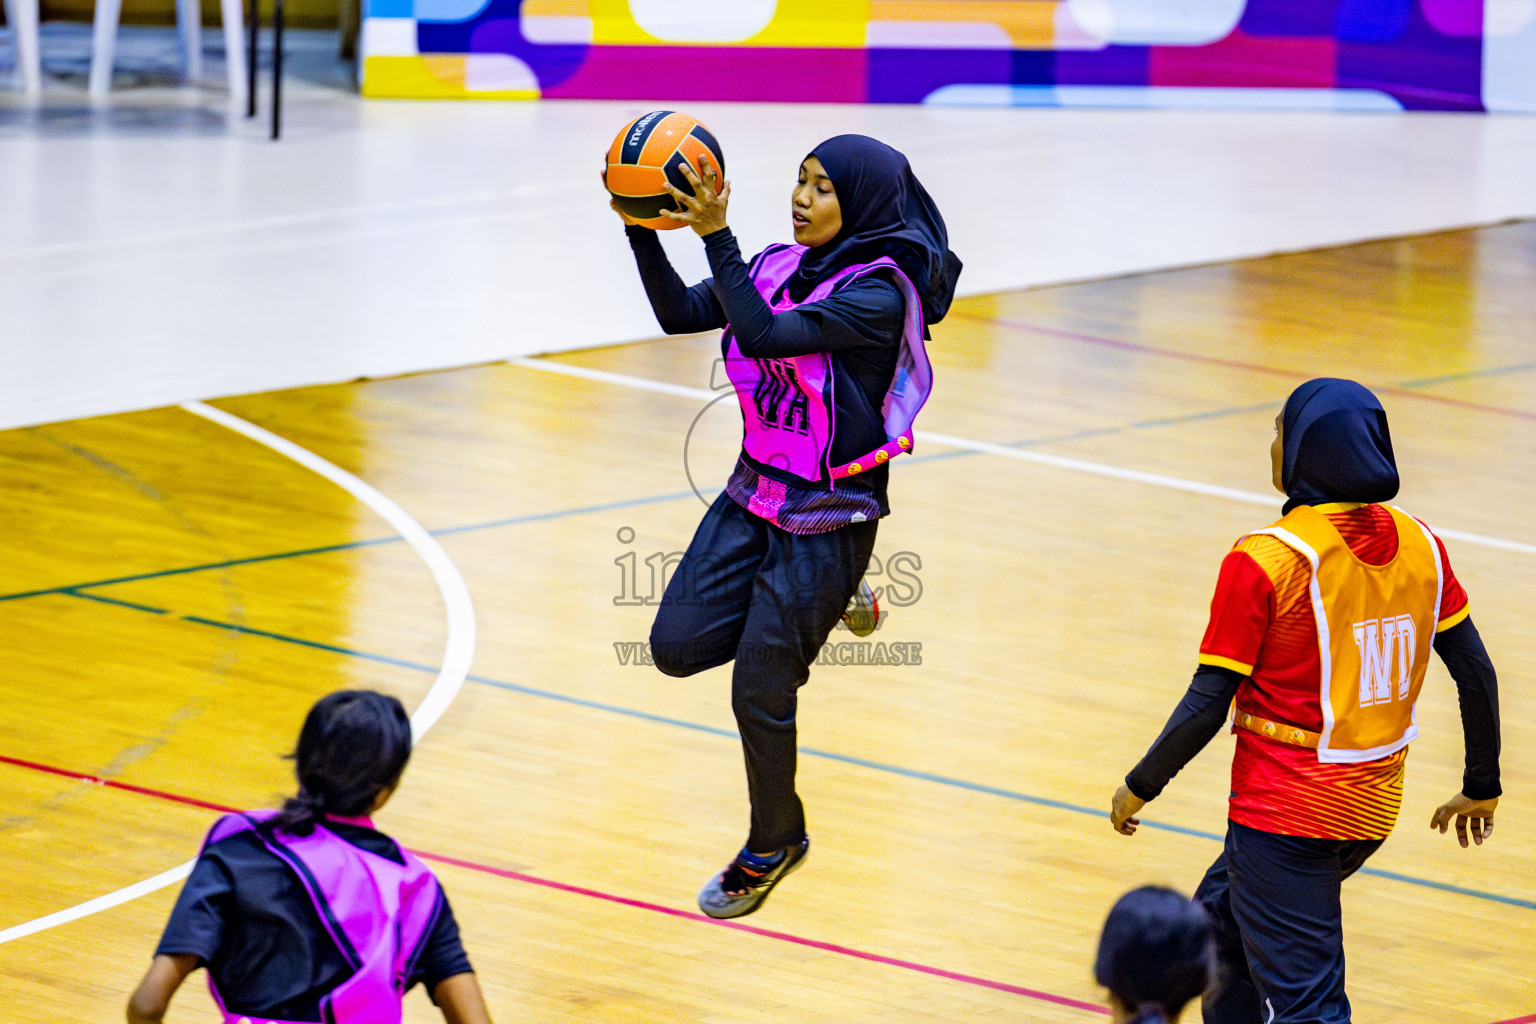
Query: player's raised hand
705, 210
1122, 811
1464, 809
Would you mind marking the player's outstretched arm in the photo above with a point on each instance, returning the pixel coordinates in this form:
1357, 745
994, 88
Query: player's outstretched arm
1477, 690
1199, 717
1479, 813
460, 1000
150, 1000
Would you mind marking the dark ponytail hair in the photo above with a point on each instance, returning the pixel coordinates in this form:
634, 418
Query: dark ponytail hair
1157, 952
353, 746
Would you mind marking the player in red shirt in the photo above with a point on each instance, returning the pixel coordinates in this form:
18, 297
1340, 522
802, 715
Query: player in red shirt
1320, 630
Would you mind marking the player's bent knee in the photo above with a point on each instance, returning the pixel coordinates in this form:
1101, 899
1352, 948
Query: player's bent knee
680, 658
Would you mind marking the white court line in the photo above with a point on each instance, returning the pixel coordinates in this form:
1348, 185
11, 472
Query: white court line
621, 379
280, 220
458, 650
1009, 452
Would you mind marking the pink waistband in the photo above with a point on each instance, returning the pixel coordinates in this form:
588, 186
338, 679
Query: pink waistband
882, 454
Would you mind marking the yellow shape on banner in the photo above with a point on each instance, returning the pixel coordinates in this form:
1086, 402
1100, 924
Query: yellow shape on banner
432, 76
1028, 24
787, 23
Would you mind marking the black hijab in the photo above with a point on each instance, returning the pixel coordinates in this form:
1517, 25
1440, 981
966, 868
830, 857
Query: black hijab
1336, 446
886, 212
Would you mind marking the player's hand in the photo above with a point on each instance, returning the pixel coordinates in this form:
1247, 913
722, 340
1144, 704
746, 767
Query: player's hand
704, 211
1463, 809
626, 218
1122, 811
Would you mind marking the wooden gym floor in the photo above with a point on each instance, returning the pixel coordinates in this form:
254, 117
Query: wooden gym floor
175, 595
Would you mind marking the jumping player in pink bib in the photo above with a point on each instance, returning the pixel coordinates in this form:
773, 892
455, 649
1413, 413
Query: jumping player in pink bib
823, 344
310, 914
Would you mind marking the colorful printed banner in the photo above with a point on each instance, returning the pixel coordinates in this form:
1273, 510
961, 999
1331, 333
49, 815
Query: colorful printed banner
1317, 54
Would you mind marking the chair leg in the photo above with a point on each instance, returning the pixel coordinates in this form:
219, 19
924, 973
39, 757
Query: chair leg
104, 46
349, 21
234, 48
22, 14
189, 26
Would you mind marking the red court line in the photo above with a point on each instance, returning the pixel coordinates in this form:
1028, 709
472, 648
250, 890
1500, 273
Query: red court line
657, 908
1193, 357
769, 933
112, 784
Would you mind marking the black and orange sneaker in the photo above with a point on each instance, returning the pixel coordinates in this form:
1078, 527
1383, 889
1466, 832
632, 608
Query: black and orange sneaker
863, 614
746, 882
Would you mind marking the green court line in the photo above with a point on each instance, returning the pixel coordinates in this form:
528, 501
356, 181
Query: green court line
121, 604
1497, 371
349, 545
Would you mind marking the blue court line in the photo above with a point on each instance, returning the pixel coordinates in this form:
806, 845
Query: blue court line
349, 545
880, 766
1498, 371
1447, 887
121, 604
314, 644
539, 517
73, 587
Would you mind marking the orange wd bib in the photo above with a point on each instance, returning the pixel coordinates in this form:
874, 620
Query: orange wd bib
1375, 629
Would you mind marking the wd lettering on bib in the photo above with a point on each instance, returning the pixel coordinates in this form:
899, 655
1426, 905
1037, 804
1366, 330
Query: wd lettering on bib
1385, 644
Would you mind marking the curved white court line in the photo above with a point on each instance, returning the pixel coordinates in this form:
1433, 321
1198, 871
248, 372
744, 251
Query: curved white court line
458, 650
1008, 452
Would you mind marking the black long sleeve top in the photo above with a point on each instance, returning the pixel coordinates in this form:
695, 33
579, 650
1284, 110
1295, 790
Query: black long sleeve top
1203, 709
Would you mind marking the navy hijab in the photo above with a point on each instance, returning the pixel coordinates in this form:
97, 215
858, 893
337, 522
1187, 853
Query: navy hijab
1336, 446
886, 212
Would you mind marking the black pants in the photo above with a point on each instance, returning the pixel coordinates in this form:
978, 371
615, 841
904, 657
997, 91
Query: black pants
750, 592
1279, 928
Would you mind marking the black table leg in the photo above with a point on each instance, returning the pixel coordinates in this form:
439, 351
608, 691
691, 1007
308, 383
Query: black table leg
250, 70
277, 68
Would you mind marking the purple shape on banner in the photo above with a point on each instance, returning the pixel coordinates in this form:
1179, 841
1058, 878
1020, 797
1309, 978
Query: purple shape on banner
1455, 17
745, 73
1422, 69
1290, 17
498, 35
1032, 67
1113, 65
496, 30
1373, 21
906, 76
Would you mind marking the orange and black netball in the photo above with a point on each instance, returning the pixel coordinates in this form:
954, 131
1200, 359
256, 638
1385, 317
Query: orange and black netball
649, 153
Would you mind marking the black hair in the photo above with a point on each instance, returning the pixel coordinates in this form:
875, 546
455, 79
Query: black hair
353, 746
1157, 952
